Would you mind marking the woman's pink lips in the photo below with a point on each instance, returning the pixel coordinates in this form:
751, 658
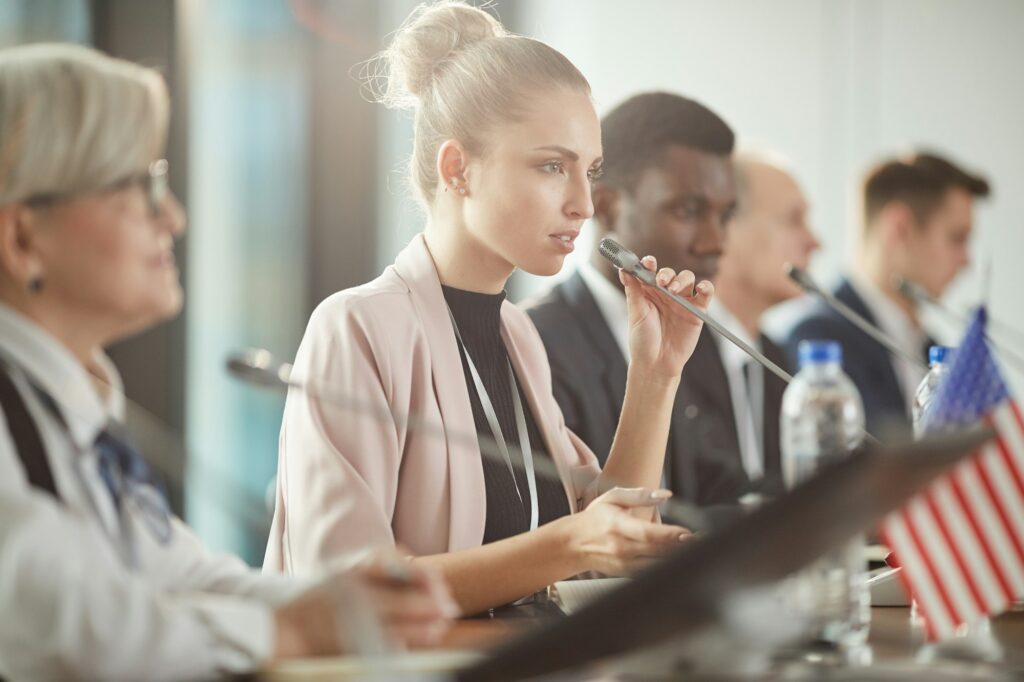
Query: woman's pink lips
566, 241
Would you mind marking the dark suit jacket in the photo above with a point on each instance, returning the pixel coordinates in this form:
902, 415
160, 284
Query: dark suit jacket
865, 361
702, 463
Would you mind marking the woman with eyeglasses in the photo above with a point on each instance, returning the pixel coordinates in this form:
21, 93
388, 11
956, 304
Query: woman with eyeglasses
507, 143
97, 579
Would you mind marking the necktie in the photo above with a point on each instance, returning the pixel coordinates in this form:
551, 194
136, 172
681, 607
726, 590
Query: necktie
752, 426
129, 479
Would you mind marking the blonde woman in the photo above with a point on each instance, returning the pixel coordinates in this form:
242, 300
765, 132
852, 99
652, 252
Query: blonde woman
507, 142
97, 579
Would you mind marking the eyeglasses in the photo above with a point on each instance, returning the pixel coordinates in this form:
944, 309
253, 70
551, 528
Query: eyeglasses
153, 182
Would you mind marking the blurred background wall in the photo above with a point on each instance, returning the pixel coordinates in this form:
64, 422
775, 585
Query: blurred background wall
295, 183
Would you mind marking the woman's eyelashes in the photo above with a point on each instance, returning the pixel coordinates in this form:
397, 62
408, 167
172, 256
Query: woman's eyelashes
558, 168
554, 167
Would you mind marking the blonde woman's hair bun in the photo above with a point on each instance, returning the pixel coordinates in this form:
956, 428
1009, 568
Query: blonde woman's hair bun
464, 76
424, 47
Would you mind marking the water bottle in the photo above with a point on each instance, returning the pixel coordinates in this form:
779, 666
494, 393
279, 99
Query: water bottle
929, 386
975, 640
823, 418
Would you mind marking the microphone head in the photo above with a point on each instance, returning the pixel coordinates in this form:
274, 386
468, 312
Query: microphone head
910, 290
258, 366
801, 278
619, 255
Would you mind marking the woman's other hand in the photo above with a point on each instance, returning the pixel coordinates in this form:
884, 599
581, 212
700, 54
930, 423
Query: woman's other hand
608, 537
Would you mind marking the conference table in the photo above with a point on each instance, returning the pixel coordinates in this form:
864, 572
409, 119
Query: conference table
892, 641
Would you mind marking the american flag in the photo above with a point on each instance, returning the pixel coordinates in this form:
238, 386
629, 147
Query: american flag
961, 541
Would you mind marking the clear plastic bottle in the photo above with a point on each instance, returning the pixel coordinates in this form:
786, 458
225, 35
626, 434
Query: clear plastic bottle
929, 386
823, 418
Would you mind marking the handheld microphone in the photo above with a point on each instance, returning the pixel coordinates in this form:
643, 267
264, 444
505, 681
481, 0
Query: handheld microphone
913, 291
629, 262
804, 281
258, 367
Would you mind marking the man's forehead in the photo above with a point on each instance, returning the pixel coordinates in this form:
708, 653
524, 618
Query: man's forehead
768, 182
684, 169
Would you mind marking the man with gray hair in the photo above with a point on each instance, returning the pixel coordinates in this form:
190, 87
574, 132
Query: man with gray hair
769, 230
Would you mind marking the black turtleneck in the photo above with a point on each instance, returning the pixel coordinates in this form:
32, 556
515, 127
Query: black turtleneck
478, 317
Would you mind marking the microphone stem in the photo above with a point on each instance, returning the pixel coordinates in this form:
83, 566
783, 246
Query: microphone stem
1009, 356
647, 277
858, 321
715, 326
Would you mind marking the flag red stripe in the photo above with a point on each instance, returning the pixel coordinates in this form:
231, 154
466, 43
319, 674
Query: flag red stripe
970, 514
1004, 450
904, 576
997, 502
940, 585
953, 548
969, 545
1012, 461
1016, 413
1015, 474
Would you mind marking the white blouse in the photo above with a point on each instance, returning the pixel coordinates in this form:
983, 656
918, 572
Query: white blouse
72, 606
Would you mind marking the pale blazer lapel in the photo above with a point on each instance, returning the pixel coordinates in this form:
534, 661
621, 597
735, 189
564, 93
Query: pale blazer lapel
468, 503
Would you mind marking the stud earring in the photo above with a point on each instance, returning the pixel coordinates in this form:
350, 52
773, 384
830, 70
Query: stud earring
35, 285
462, 191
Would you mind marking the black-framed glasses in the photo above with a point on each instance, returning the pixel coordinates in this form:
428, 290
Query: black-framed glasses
153, 182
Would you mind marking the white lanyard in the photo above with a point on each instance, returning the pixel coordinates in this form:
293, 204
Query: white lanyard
499, 439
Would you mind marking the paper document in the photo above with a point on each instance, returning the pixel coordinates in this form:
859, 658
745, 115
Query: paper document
417, 666
571, 595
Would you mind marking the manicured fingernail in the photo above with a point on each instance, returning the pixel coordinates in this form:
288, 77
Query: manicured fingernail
661, 494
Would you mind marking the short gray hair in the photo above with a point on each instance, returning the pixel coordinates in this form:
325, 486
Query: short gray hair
74, 120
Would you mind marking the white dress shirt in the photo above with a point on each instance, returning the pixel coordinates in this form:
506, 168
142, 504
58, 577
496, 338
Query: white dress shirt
895, 324
746, 389
611, 301
72, 606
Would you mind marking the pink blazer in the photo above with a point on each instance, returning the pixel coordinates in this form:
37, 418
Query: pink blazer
350, 481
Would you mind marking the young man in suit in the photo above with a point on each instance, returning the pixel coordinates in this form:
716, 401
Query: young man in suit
667, 189
917, 221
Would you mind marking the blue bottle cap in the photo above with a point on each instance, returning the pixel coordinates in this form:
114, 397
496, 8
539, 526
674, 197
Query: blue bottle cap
938, 355
819, 352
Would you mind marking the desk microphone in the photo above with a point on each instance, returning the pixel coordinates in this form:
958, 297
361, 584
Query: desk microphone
804, 281
258, 367
914, 292
629, 262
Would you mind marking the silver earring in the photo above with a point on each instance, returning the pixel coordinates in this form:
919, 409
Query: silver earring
35, 285
462, 190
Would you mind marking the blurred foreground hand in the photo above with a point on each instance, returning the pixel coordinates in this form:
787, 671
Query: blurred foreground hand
370, 610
